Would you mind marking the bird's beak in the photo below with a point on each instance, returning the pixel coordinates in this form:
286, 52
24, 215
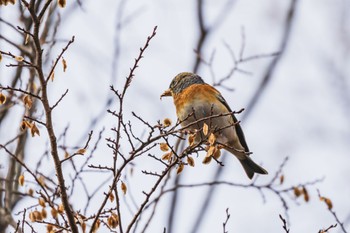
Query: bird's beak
166, 93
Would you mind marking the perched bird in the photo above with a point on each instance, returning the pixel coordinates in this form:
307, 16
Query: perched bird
195, 100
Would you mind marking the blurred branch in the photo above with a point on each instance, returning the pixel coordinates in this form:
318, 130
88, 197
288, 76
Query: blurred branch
272, 67
266, 79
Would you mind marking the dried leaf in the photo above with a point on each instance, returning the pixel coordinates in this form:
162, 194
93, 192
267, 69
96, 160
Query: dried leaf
191, 138
113, 221
41, 180
37, 216
28, 102
81, 151
41, 202
49, 228
190, 161
31, 217
111, 197
205, 129
83, 227
306, 194
34, 130
211, 151
60, 209
281, 179
296, 191
96, 226
2, 98
0, 56
52, 76
30, 192
21, 180
123, 187
66, 154
26, 40
24, 125
64, 63
180, 168
164, 147
43, 213
327, 201
167, 156
217, 153
212, 139
207, 160
19, 58
61, 3
166, 122
54, 213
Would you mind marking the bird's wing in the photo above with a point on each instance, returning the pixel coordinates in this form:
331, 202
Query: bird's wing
238, 128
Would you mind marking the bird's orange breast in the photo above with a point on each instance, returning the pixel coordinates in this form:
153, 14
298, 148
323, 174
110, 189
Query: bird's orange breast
196, 94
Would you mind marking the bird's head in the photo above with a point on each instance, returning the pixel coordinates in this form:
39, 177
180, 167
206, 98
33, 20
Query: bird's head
181, 82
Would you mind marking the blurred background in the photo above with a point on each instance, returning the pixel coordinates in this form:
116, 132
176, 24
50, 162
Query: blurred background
297, 103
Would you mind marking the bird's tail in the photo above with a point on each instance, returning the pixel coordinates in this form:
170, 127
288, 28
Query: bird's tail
250, 167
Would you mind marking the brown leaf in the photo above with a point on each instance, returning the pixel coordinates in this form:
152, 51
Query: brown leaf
30, 192
166, 122
190, 161
0, 57
327, 201
113, 221
41, 180
111, 197
164, 147
281, 179
205, 129
212, 139
180, 168
217, 153
81, 151
32, 217
207, 160
26, 40
21, 180
24, 125
34, 130
43, 213
211, 151
41, 202
191, 138
296, 191
167, 156
52, 77
96, 226
2, 98
306, 194
28, 102
19, 58
83, 227
64, 63
49, 228
54, 213
61, 3
123, 187
37, 216
60, 209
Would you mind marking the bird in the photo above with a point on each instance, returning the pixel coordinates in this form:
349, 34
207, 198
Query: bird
194, 100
